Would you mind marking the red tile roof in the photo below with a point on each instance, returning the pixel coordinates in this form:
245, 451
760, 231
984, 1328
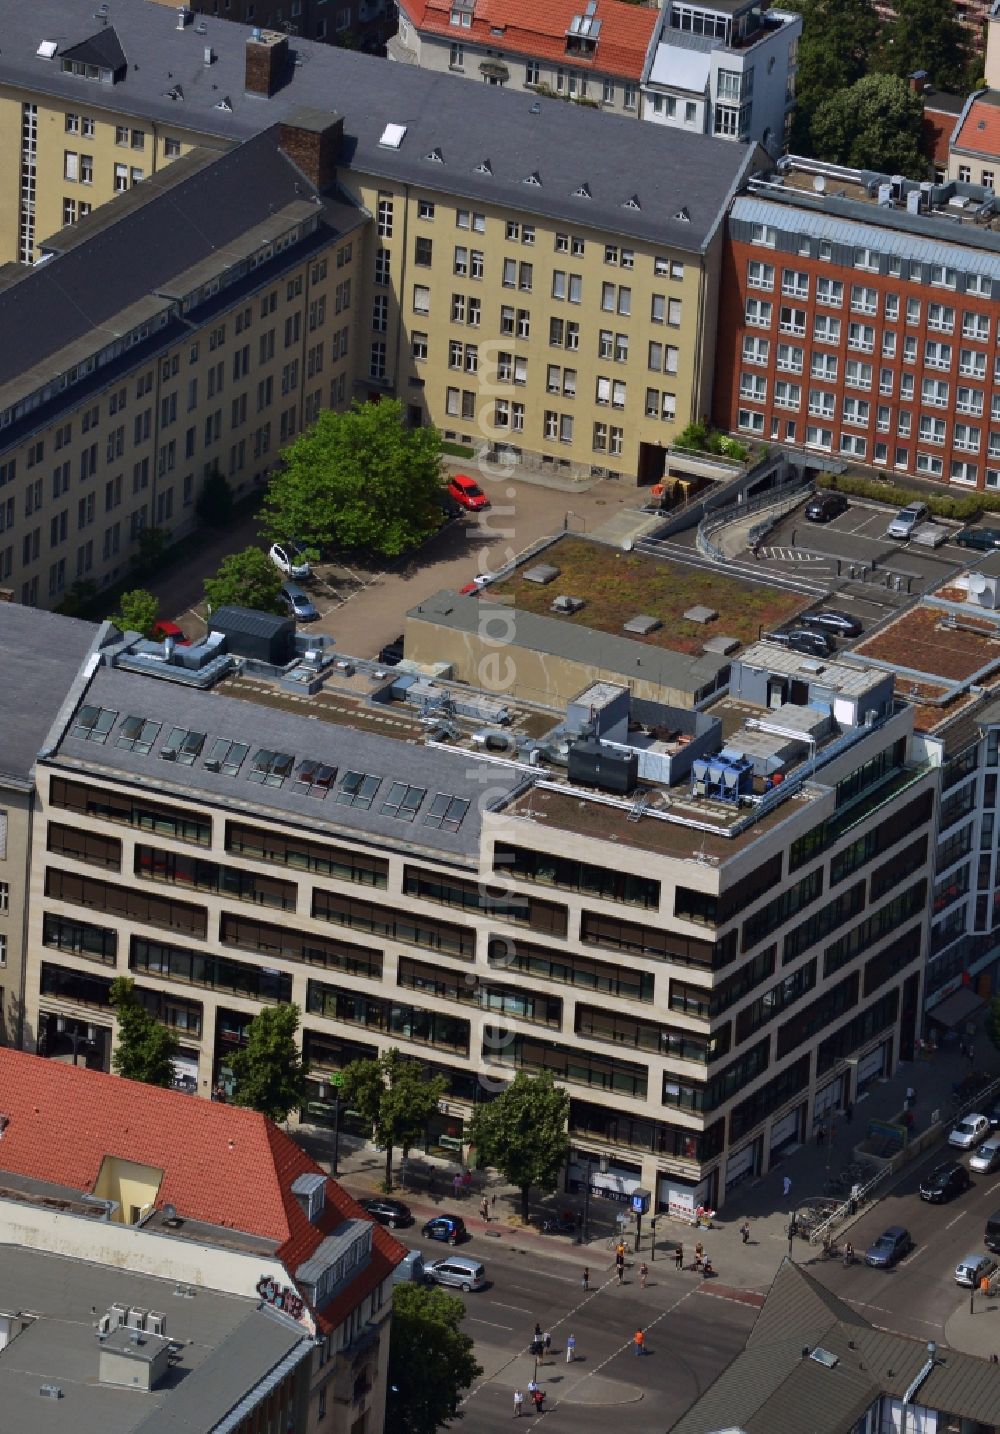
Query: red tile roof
539, 31
221, 1164
980, 132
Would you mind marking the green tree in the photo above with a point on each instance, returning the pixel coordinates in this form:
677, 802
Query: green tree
359, 479
146, 1049
876, 124
838, 37
215, 501
268, 1072
925, 35
152, 546
138, 611
523, 1133
78, 598
246, 579
431, 1360
395, 1097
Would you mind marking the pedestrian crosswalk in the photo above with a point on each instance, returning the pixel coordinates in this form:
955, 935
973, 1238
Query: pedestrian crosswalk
790, 555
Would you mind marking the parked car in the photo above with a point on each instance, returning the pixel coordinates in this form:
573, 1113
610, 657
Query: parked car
298, 602
410, 1270
995, 1116
831, 620
987, 1157
906, 520
480, 581
826, 506
944, 1182
969, 1131
387, 1212
970, 1270
290, 559
392, 653
163, 629
457, 1272
466, 490
985, 539
890, 1246
450, 1228
814, 644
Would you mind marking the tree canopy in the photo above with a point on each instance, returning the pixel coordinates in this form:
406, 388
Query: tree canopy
523, 1133
215, 501
138, 611
431, 1360
925, 35
835, 49
268, 1072
395, 1097
359, 479
876, 124
246, 579
145, 1049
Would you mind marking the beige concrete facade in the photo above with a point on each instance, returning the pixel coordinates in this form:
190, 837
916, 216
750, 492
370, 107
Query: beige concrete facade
15, 855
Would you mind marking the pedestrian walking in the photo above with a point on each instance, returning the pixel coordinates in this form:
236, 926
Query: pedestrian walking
467, 1179
621, 1272
539, 1398
699, 1255
911, 1097
456, 1185
532, 1388
547, 1341
786, 1186
679, 1257
570, 1348
518, 1401
643, 1275
745, 1233
484, 1209
493, 1200
585, 1278
639, 1340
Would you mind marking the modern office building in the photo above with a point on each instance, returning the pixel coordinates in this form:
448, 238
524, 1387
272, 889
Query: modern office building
591, 52
710, 926
173, 1263
552, 295
860, 319
726, 69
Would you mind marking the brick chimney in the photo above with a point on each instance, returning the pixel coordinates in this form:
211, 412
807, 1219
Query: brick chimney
312, 141
266, 62
918, 81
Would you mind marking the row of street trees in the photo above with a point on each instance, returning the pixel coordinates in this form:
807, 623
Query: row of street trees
853, 102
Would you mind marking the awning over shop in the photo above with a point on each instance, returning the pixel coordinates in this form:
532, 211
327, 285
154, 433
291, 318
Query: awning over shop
956, 1008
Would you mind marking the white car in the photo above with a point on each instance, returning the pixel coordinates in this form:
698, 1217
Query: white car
289, 559
906, 520
987, 1157
969, 1131
971, 1270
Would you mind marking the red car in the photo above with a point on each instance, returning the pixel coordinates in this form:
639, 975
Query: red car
164, 629
467, 492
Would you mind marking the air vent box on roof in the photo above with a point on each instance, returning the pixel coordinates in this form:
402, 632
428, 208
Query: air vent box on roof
392, 136
700, 614
47, 49
259, 635
542, 573
641, 625
565, 604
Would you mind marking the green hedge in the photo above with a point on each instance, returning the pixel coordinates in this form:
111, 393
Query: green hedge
458, 450
964, 509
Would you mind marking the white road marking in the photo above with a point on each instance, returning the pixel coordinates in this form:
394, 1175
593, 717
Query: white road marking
956, 1220
473, 1320
910, 1258
519, 1308
864, 1304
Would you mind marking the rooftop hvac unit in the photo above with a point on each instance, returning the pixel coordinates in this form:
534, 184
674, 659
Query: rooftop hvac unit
137, 1318
156, 1323
913, 202
898, 182
50, 1391
117, 1313
593, 764
982, 590
104, 1325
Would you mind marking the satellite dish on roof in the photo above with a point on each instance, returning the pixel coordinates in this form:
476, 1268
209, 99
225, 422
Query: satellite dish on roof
819, 184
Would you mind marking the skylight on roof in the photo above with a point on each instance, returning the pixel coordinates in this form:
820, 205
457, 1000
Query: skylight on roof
138, 734
632, 202
435, 156
446, 812
271, 768
484, 168
402, 801
47, 49
583, 192
94, 723
358, 790
226, 756
392, 136
182, 746
533, 178
314, 779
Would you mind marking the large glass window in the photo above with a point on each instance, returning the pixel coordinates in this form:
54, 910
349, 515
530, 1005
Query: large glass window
572, 1065
216, 973
290, 849
292, 945
570, 875
97, 943
510, 954
131, 810
499, 903
154, 864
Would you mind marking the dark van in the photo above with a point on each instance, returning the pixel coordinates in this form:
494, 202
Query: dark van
992, 1237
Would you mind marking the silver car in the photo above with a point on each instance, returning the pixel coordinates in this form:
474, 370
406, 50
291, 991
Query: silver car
969, 1131
973, 1268
457, 1271
906, 520
987, 1157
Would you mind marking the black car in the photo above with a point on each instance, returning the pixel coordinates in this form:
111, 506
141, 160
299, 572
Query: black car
944, 1182
450, 1228
814, 644
840, 624
826, 506
387, 1212
985, 539
392, 653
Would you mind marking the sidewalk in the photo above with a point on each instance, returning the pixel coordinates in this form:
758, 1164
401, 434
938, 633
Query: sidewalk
425, 1183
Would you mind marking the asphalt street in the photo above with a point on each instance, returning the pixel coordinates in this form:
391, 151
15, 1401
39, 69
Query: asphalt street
692, 1332
917, 1296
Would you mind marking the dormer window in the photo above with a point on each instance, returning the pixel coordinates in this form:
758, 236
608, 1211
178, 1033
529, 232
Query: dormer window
582, 35
462, 12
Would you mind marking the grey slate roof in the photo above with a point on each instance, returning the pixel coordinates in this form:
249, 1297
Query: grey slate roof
228, 1345
439, 770
146, 249
40, 655
620, 655
773, 1387
569, 145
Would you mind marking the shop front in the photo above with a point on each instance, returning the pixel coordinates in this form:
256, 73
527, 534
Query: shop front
744, 1164
829, 1100
607, 1179
786, 1131
873, 1066
680, 1198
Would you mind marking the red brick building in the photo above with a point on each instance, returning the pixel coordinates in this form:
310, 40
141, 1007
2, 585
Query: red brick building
859, 317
